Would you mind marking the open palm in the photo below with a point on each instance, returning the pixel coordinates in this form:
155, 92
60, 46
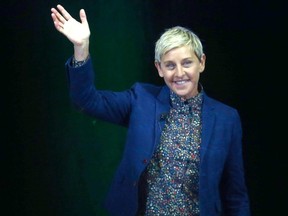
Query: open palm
77, 32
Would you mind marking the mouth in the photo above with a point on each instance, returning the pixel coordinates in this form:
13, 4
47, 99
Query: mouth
181, 82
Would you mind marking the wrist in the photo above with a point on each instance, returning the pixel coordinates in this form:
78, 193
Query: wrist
77, 63
81, 52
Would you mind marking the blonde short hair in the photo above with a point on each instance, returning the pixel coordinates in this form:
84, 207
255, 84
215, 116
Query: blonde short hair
177, 37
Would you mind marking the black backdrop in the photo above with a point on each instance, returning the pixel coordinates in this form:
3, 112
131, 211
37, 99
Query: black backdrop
55, 161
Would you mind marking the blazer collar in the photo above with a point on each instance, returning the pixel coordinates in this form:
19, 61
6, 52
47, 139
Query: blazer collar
164, 95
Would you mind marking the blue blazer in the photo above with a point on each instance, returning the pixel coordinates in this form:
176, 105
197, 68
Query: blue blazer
142, 109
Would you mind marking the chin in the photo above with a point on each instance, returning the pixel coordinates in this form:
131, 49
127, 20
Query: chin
181, 94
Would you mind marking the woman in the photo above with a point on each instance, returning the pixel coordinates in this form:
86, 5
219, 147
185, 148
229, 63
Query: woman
183, 153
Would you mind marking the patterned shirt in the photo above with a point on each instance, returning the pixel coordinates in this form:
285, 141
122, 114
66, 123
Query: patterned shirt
172, 176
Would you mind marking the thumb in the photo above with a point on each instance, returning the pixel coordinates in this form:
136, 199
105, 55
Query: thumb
83, 17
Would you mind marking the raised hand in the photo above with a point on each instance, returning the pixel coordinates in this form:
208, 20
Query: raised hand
77, 32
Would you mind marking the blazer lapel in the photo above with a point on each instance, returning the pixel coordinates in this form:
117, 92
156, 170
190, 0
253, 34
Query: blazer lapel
162, 109
208, 120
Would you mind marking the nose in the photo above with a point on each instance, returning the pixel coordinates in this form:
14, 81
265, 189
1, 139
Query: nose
179, 71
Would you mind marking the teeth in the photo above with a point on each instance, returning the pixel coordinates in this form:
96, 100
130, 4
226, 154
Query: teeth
180, 82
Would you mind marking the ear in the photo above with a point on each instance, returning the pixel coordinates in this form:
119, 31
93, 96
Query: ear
158, 66
202, 63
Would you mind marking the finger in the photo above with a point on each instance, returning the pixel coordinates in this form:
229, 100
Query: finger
56, 16
83, 16
58, 25
60, 18
64, 13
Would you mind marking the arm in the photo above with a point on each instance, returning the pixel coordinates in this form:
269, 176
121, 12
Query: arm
104, 105
76, 32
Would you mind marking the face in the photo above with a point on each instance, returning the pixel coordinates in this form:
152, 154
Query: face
180, 69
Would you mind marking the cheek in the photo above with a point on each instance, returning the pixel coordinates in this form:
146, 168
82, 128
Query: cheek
167, 76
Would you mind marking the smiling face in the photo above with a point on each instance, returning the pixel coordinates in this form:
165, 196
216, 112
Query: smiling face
180, 69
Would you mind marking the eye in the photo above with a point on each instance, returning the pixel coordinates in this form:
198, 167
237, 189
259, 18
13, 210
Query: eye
187, 63
170, 66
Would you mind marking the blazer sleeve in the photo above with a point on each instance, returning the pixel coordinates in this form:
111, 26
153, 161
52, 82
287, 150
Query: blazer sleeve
110, 106
233, 185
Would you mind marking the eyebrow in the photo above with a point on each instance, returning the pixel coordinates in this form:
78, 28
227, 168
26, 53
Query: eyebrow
188, 58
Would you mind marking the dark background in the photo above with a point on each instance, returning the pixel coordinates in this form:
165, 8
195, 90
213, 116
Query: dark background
56, 161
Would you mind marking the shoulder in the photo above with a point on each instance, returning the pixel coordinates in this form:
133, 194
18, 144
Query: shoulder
218, 106
147, 88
